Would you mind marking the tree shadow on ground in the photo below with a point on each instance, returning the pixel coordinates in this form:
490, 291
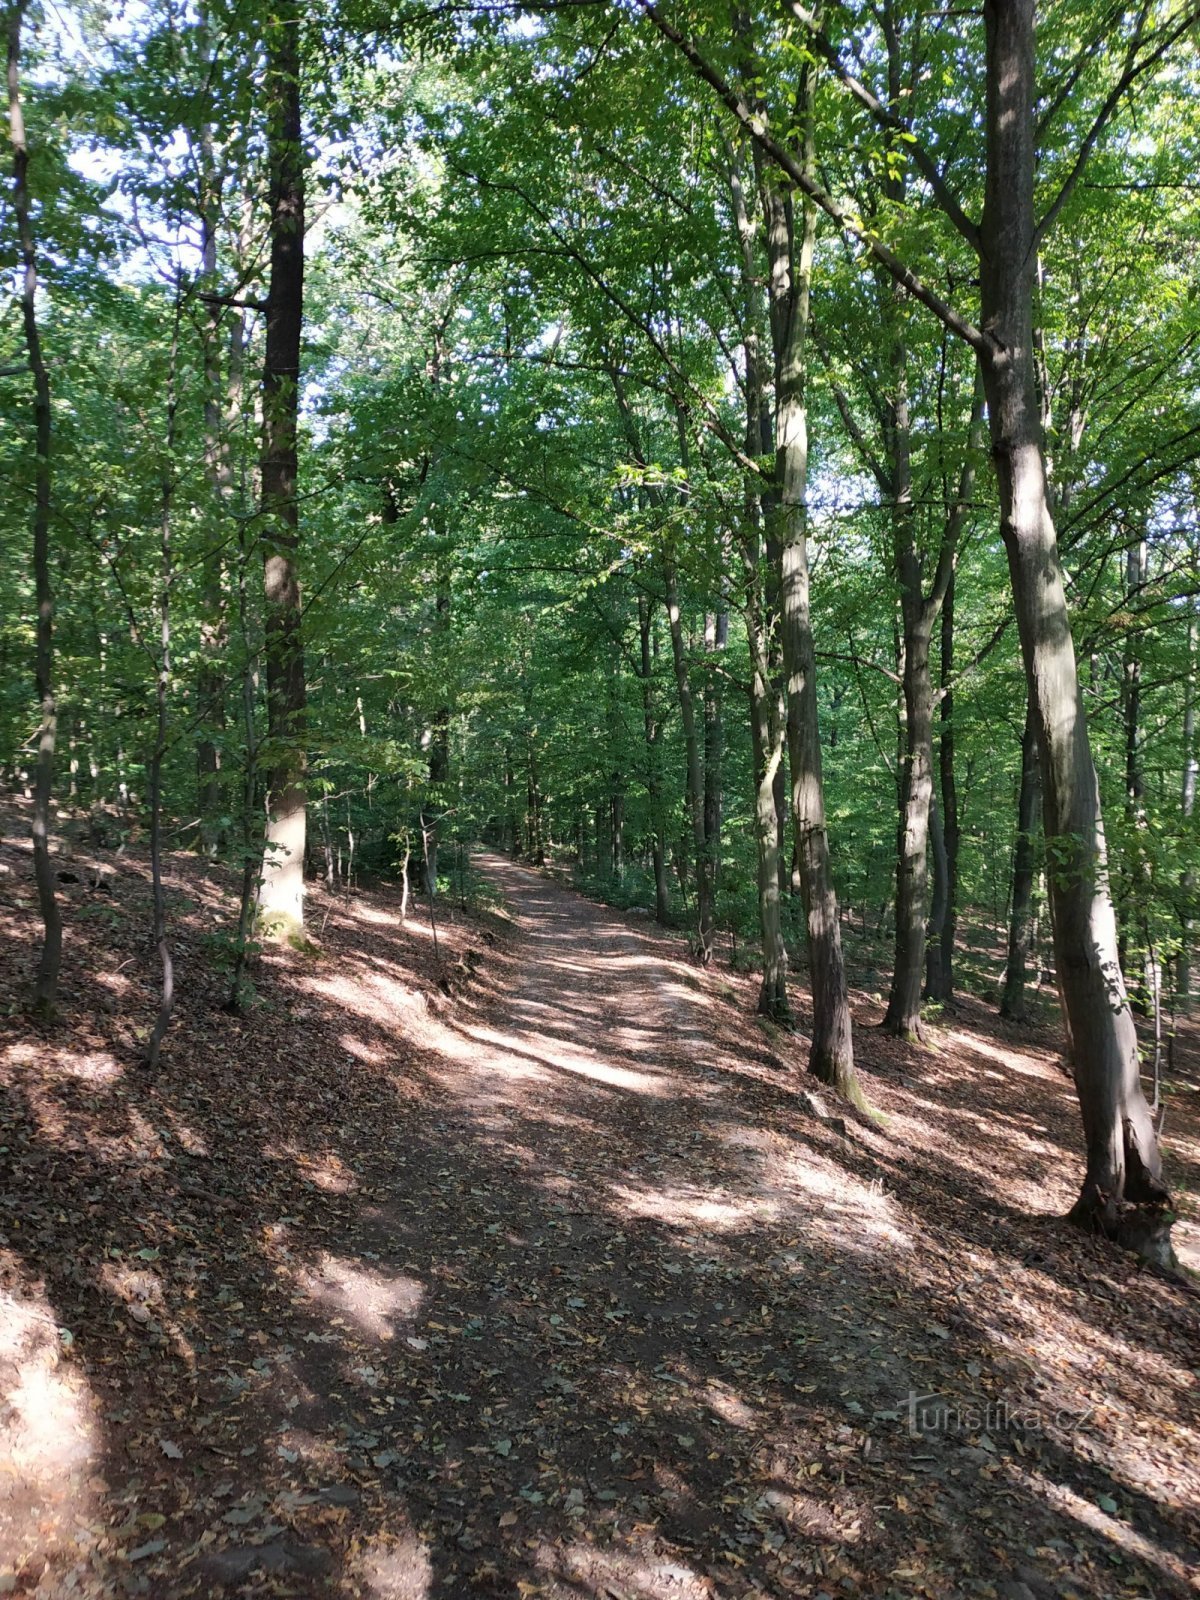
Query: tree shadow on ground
371, 1294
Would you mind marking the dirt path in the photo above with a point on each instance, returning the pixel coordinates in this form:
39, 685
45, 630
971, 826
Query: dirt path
558, 1289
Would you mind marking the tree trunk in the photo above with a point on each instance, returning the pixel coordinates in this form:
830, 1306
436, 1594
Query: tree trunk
767, 739
944, 927
214, 629
716, 635
166, 1005
439, 739
281, 892
831, 1054
45, 990
903, 1016
662, 898
705, 918
1137, 887
1123, 1161
1187, 807
1020, 917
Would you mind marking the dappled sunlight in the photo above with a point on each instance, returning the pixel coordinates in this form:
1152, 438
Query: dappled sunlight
373, 1299
543, 1273
1011, 1060
695, 1209
50, 1435
583, 1062
1113, 1529
394, 1566
369, 1055
849, 1209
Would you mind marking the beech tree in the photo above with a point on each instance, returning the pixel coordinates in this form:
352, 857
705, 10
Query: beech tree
502, 427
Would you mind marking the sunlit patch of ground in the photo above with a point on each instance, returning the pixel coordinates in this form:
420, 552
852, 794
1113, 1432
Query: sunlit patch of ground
524, 1269
49, 1444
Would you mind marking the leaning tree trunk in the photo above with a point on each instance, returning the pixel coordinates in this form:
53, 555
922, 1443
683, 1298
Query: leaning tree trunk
45, 991
281, 892
1020, 916
1123, 1162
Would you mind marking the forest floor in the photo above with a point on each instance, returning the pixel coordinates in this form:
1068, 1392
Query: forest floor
530, 1268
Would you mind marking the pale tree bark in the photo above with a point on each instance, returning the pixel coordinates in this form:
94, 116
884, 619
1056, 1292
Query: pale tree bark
767, 736
652, 730
943, 918
1123, 1161
1013, 1003
281, 892
166, 1004
693, 758
1132, 942
790, 254
439, 734
1124, 1167
45, 990
214, 621
716, 638
1187, 808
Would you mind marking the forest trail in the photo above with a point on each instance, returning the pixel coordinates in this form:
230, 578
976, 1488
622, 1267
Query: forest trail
555, 1285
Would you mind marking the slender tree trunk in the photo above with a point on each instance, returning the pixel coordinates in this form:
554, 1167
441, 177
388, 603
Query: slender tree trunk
944, 920
1020, 915
1187, 807
1137, 887
662, 898
767, 739
716, 635
903, 1016
831, 1054
166, 1004
281, 893
45, 990
705, 917
439, 742
1123, 1161
214, 629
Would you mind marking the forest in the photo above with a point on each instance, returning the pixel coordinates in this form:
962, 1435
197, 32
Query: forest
599, 862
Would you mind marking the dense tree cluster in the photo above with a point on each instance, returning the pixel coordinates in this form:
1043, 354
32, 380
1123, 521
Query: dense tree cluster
753, 451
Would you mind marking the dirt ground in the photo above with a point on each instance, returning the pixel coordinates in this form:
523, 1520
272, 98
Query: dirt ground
532, 1268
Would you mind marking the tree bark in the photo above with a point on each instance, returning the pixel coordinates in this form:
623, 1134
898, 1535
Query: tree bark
705, 918
831, 1054
1137, 888
166, 1004
1024, 870
767, 733
281, 891
1123, 1162
45, 990
716, 636
1187, 807
214, 623
650, 724
943, 921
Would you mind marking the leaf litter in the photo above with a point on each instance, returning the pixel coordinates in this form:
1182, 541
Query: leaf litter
554, 1285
